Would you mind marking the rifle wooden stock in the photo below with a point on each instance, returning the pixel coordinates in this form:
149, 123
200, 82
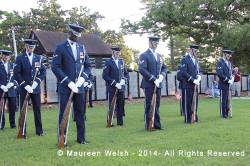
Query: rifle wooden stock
112, 109
2, 105
22, 117
64, 121
87, 99
193, 107
229, 103
152, 111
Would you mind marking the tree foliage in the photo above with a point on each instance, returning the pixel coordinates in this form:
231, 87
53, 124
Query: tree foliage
214, 24
113, 38
49, 16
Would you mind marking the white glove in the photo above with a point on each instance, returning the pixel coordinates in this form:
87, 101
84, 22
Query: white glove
85, 84
9, 85
80, 81
122, 82
231, 81
118, 86
196, 82
4, 88
73, 87
157, 83
160, 77
90, 85
232, 78
34, 85
199, 77
28, 88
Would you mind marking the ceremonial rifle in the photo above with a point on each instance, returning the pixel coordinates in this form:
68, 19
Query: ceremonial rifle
112, 109
229, 103
194, 104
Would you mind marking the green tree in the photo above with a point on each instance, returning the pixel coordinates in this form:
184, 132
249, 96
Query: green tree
113, 38
48, 16
206, 21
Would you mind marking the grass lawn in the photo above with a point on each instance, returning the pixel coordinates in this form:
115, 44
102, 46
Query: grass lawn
177, 144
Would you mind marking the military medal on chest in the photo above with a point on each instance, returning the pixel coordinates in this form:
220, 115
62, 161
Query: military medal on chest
82, 57
37, 66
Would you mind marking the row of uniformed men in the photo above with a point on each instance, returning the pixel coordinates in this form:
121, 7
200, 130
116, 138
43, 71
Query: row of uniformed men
189, 77
19, 78
71, 66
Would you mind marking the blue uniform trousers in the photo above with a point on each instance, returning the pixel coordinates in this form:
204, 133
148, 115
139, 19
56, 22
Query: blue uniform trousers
36, 104
119, 104
12, 106
224, 103
187, 96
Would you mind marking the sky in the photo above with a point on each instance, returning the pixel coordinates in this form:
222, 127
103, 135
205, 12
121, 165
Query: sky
112, 10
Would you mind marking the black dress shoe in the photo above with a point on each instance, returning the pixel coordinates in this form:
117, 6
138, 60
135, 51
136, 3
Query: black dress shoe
158, 128
83, 142
12, 127
40, 134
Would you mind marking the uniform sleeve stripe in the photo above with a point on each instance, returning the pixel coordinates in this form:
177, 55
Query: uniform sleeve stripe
22, 83
189, 78
112, 82
151, 77
39, 79
86, 75
225, 79
64, 79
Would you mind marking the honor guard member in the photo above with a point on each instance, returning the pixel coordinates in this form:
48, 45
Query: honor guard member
24, 72
69, 58
116, 76
224, 72
8, 88
153, 70
190, 78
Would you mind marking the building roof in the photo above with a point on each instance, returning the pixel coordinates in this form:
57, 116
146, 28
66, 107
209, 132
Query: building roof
49, 40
